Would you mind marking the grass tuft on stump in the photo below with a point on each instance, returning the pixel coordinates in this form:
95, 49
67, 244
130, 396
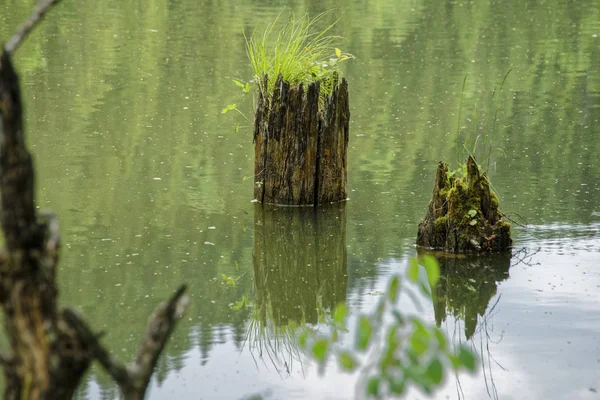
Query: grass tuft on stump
298, 51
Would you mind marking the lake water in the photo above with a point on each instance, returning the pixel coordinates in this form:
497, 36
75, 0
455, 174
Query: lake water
153, 185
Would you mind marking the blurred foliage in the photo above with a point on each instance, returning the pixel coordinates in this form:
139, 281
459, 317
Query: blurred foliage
393, 356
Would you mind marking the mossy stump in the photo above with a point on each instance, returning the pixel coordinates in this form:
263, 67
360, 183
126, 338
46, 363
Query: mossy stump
300, 155
463, 215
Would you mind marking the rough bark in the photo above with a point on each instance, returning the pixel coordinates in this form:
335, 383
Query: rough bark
300, 149
300, 261
463, 214
50, 348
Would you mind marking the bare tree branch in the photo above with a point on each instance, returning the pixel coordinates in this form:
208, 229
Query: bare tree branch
114, 367
36, 16
159, 329
134, 378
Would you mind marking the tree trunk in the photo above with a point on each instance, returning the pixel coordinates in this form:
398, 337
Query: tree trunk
300, 154
50, 348
463, 214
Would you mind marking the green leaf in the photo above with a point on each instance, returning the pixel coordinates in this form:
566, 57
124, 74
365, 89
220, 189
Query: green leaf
441, 338
413, 270
338, 53
392, 340
302, 339
229, 108
247, 87
432, 268
455, 360
364, 333
238, 305
472, 213
373, 386
397, 384
467, 358
473, 222
435, 371
319, 349
419, 342
393, 290
347, 361
340, 313
238, 83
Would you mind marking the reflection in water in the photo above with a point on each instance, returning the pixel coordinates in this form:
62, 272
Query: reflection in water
466, 286
142, 101
300, 274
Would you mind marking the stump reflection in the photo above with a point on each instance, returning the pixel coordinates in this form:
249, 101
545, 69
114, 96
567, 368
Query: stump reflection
466, 286
300, 262
300, 275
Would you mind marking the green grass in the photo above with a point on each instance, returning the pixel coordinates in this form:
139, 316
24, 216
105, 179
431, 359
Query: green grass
298, 50
480, 144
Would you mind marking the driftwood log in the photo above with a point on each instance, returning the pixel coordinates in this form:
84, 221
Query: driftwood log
463, 214
50, 347
300, 153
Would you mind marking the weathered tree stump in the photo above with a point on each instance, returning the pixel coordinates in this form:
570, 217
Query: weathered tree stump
467, 284
300, 153
300, 262
463, 214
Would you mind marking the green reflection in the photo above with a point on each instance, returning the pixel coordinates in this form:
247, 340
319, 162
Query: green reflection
466, 286
118, 93
300, 272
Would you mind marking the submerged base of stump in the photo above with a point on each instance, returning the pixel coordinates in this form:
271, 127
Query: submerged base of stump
463, 215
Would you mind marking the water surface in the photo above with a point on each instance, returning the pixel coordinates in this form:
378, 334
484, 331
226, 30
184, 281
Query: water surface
150, 181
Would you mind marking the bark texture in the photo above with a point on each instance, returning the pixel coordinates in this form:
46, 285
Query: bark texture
300, 148
50, 348
463, 214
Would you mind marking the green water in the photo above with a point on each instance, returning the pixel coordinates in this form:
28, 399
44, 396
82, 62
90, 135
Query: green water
123, 106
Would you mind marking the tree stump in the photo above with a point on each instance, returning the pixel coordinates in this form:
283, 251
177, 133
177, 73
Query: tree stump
466, 286
463, 214
300, 153
300, 262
